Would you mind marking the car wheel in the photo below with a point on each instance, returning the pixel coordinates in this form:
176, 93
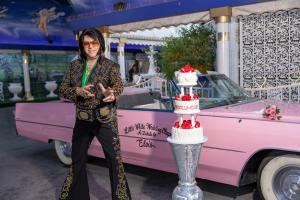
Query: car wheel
279, 178
63, 151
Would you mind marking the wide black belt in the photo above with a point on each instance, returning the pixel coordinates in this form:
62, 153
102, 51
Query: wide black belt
103, 114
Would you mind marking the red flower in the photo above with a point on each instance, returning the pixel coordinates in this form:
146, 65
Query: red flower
186, 124
176, 125
177, 97
187, 68
197, 124
186, 97
195, 96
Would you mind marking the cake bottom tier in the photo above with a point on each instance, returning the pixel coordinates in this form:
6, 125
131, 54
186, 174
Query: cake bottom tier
187, 136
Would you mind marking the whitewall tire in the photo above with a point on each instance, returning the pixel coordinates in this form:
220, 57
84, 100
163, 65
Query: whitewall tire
63, 151
280, 178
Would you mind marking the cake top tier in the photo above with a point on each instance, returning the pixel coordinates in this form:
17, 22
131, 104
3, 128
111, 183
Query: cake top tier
186, 76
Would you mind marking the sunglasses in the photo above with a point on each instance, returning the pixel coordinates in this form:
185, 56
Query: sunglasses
93, 43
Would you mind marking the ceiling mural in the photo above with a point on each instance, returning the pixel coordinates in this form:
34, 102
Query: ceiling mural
36, 22
52, 22
109, 6
33, 22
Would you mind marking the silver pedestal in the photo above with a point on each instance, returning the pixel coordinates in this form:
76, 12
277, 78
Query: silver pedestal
187, 157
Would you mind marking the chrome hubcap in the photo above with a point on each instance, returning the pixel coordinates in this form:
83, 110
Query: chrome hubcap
286, 183
65, 148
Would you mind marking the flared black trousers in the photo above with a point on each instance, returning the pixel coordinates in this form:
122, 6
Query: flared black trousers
75, 186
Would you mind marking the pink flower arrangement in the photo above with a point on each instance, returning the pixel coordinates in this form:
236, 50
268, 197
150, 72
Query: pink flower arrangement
271, 112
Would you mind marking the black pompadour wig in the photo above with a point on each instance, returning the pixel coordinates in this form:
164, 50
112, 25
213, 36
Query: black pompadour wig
96, 35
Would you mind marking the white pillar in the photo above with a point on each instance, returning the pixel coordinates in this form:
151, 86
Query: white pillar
107, 45
105, 32
223, 44
27, 90
121, 57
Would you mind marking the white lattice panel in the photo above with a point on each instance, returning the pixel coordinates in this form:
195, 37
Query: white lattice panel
270, 48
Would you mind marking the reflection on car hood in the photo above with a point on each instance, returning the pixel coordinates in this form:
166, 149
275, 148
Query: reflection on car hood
290, 112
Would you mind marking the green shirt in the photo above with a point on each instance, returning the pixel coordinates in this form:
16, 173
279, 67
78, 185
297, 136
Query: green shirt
85, 77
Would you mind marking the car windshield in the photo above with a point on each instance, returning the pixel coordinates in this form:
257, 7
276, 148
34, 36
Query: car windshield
217, 90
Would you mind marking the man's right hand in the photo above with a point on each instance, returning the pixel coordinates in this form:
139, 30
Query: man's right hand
85, 91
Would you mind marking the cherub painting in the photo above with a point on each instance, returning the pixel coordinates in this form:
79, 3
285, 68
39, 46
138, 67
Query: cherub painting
2, 11
43, 18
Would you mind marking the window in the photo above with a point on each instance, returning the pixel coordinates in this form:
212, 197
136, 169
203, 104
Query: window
143, 99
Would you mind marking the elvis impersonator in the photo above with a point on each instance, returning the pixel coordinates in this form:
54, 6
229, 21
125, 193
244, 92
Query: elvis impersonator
93, 83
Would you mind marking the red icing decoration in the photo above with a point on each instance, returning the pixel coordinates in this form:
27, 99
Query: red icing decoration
176, 125
197, 124
187, 68
186, 97
195, 96
186, 124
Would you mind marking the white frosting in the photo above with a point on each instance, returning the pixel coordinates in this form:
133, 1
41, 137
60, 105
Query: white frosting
186, 107
187, 78
191, 135
187, 136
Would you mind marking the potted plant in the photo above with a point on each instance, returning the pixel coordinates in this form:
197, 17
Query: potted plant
195, 45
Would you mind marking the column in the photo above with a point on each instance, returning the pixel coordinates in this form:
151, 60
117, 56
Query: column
222, 18
105, 32
27, 90
121, 57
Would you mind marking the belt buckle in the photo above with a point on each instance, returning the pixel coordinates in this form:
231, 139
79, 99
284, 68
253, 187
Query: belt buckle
84, 115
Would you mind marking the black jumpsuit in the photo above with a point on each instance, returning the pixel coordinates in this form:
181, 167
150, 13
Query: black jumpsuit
94, 118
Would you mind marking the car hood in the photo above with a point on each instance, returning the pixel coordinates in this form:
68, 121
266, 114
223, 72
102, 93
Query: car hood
290, 112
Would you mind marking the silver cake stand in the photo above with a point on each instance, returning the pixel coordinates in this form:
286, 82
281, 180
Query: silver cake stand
187, 158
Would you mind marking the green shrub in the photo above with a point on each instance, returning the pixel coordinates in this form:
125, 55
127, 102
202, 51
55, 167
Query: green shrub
195, 45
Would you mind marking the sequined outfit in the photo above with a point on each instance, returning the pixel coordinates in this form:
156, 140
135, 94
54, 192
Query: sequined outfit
94, 118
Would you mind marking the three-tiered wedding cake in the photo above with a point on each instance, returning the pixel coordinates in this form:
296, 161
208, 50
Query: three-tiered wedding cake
186, 103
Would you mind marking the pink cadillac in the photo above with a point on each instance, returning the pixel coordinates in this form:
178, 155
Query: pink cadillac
242, 146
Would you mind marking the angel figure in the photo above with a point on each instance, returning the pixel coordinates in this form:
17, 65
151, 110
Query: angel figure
43, 17
2, 11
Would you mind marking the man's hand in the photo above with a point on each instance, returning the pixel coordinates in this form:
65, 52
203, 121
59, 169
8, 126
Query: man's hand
85, 91
108, 93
